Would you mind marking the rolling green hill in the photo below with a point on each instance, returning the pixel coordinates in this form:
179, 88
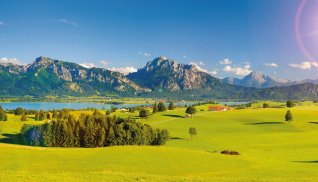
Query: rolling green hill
270, 150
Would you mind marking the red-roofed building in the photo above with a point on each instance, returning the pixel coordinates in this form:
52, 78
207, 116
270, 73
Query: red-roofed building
218, 108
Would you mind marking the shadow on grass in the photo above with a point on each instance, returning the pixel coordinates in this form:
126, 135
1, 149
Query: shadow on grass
31, 117
215, 151
173, 115
312, 122
312, 162
12, 138
177, 138
264, 123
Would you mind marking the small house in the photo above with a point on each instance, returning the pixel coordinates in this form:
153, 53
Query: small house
217, 108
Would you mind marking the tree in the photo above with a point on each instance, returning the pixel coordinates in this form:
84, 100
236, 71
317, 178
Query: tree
155, 108
48, 116
192, 132
108, 112
191, 110
143, 113
290, 104
41, 115
265, 105
23, 117
54, 114
288, 116
113, 109
3, 115
36, 117
161, 107
171, 106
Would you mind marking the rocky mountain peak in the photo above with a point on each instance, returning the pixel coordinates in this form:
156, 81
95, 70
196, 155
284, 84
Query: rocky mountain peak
256, 76
163, 73
159, 63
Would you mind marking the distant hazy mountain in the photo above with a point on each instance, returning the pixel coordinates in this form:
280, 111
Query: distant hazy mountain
257, 80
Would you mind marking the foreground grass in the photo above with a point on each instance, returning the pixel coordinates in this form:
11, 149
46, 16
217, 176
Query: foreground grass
271, 150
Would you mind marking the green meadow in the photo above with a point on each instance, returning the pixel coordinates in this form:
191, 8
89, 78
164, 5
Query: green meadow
270, 149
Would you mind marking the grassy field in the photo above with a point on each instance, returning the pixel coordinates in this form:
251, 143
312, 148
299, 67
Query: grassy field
270, 150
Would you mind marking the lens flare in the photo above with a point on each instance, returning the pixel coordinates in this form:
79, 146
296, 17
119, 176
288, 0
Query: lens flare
306, 29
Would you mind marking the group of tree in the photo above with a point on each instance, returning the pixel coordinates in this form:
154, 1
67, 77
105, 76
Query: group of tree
242, 106
3, 115
96, 130
20, 111
161, 107
41, 115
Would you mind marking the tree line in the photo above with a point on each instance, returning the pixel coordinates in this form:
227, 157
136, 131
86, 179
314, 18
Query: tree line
96, 130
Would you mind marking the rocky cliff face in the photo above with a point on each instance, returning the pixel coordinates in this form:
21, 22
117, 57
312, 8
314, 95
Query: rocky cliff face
12, 68
166, 74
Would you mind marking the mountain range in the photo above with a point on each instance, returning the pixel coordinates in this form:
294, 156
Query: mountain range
260, 80
161, 77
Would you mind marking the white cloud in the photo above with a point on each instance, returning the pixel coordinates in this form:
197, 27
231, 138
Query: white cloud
88, 65
241, 71
1, 23
5, 60
198, 67
185, 57
271, 65
305, 65
65, 21
214, 72
201, 63
225, 61
124, 70
146, 54
104, 63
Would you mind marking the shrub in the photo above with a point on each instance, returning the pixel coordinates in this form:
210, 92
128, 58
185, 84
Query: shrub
229, 152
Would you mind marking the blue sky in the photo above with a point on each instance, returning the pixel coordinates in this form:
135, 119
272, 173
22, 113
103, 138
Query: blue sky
226, 37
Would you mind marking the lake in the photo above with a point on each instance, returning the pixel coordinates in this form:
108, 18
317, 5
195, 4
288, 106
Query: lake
84, 105
71, 105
